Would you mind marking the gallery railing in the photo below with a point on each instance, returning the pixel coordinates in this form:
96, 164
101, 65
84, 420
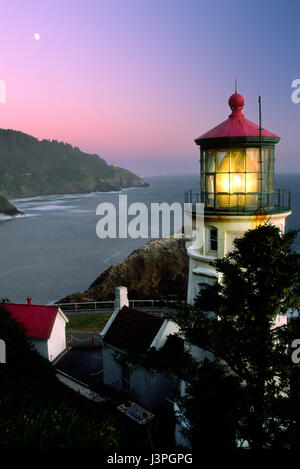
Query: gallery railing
241, 203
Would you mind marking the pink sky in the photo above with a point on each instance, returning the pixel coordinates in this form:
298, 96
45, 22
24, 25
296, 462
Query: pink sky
138, 81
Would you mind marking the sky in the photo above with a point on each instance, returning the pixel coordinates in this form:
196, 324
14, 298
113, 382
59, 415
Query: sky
136, 81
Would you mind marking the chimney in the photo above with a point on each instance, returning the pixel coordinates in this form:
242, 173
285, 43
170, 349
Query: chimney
121, 298
29, 300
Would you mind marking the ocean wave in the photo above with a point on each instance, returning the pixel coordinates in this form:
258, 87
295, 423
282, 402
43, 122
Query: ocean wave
31, 206
51, 197
136, 187
5, 217
109, 192
27, 199
50, 208
77, 196
82, 211
18, 217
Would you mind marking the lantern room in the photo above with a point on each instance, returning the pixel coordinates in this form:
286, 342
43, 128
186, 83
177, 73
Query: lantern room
237, 165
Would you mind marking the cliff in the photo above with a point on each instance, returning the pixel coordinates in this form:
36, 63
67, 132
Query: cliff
157, 270
30, 167
6, 208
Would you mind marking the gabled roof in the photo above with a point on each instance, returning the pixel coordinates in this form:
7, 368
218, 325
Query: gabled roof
133, 330
38, 320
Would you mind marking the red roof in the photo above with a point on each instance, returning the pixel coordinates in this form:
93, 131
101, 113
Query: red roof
37, 319
236, 125
133, 330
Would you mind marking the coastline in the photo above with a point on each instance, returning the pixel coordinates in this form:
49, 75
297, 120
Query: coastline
77, 194
12, 213
52, 253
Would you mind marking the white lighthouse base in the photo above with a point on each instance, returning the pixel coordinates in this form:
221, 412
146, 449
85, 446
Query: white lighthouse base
228, 228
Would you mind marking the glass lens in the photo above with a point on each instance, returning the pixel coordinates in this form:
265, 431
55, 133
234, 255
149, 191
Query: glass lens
237, 161
222, 182
210, 161
223, 159
252, 159
237, 182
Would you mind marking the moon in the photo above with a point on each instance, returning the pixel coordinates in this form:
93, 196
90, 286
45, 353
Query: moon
36, 36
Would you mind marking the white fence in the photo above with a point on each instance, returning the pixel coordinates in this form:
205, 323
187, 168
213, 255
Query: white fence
107, 306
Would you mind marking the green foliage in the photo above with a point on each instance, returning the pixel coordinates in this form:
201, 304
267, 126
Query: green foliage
58, 421
213, 404
233, 319
178, 363
36, 410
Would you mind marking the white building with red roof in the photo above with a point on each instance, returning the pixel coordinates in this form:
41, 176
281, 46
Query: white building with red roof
45, 326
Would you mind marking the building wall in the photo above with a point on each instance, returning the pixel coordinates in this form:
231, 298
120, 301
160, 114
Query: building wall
57, 340
112, 371
150, 390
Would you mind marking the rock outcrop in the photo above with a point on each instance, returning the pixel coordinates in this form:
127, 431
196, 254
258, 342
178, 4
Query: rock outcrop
6, 208
157, 270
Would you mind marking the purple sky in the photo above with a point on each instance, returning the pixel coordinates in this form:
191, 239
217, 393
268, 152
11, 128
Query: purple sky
136, 81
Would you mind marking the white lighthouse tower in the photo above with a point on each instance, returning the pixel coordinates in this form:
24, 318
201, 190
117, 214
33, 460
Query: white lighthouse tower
237, 189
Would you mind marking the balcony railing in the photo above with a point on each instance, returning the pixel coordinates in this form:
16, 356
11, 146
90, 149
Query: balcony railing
242, 203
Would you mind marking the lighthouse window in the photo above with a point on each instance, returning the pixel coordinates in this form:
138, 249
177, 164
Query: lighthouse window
213, 239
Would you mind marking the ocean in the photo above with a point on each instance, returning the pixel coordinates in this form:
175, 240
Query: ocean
54, 250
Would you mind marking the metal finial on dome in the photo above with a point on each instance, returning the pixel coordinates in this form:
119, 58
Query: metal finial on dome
236, 102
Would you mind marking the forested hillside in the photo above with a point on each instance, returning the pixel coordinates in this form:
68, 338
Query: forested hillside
30, 167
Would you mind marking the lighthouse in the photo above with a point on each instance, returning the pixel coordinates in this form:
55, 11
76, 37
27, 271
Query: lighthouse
237, 190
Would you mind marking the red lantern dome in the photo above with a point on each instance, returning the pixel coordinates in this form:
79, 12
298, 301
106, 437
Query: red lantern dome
236, 126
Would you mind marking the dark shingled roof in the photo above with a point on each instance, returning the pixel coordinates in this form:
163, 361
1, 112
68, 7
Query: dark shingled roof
133, 330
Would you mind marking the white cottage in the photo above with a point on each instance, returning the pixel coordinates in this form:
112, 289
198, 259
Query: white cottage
136, 331
45, 326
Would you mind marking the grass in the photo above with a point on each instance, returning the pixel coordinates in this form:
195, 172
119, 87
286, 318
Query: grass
87, 322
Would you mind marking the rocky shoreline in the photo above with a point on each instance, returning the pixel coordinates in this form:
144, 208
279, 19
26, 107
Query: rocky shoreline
8, 209
158, 270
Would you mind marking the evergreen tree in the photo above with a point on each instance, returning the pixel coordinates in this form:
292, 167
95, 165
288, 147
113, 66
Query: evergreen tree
212, 407
260, 281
